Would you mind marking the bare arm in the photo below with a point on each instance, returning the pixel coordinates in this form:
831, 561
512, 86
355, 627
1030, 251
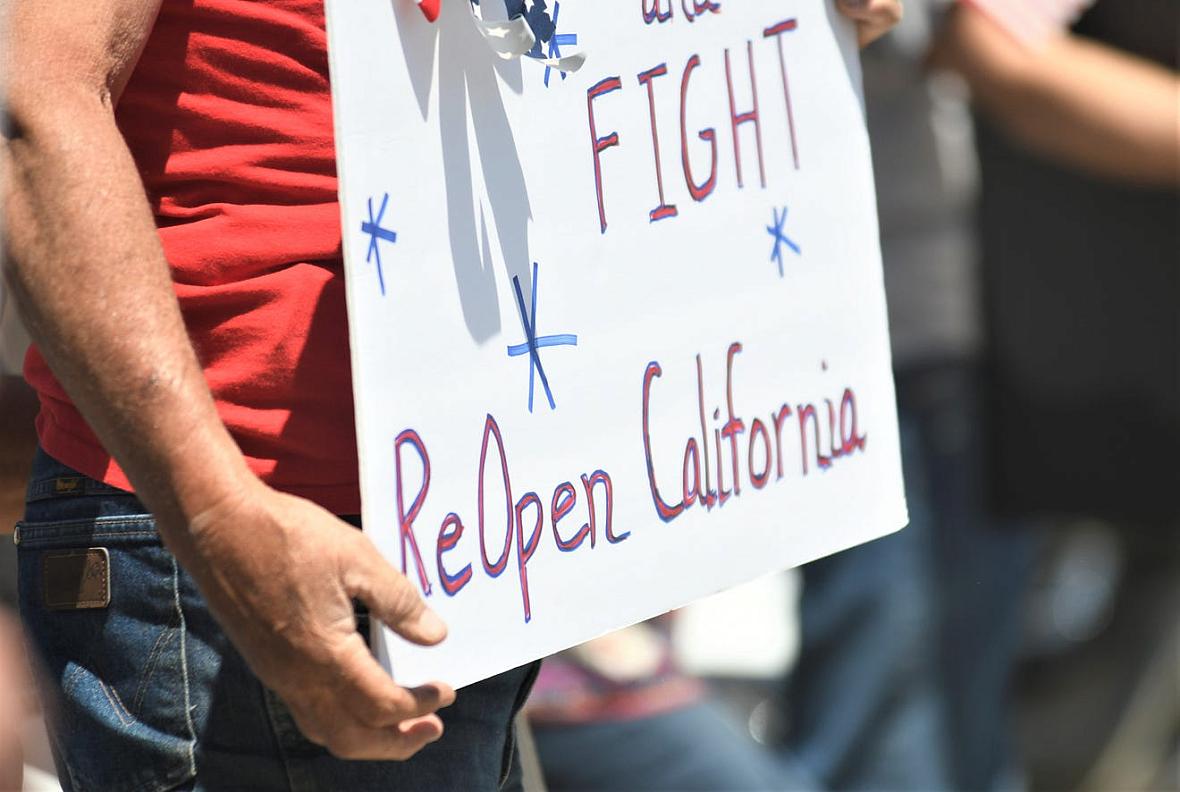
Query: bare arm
1078, 102
90, 278
873, 18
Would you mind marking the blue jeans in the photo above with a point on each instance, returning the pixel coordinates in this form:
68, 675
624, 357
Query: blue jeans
696, 748
908, 642
147, 693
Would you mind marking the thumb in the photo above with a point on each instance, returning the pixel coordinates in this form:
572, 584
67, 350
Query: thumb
390, 596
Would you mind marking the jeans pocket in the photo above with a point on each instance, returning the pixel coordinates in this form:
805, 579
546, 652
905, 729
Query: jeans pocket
118, 695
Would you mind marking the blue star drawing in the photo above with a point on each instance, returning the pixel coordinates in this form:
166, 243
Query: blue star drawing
780, 239
534, 343
373, 228
556, 42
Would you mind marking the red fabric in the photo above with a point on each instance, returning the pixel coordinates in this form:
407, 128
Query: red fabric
228, 116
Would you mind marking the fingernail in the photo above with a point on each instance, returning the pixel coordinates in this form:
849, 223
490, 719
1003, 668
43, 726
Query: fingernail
429, 9
432, 625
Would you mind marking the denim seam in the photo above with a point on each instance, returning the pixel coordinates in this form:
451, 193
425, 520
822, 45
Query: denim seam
188, 713
64, 760
40, 491
268, 704
149, 668
44, 541
67, 681
121, 712
112, 520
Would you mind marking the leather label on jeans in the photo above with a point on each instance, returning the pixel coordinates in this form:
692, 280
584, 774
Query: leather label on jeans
76, 579
71, 485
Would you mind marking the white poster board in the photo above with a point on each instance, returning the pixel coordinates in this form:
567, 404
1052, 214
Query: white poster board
618, 336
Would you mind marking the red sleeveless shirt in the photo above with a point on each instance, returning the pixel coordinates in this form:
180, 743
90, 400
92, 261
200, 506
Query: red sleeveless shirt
228, 116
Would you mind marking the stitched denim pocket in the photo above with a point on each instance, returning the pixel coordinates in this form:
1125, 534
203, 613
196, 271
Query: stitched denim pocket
118, 692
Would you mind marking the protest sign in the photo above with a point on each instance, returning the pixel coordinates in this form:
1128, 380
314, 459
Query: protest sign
619, 335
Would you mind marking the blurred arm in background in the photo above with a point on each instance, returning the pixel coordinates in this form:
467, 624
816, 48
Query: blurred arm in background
1077, 102
18, 407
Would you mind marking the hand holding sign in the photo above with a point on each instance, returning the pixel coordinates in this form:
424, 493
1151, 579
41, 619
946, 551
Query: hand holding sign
280, 573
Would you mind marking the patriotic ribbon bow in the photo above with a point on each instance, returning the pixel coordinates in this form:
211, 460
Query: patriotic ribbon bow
515, 36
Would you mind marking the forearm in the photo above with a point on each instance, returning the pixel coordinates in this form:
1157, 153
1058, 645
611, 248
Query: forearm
90, 278
1081, 103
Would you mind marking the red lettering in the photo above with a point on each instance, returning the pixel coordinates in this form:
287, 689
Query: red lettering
757, 428
837, 451
601, 144
596, 478
449, 534
710, 496
699, 7
406, 520
525, 550
491, 428
805, 412
849, 439
776, 32
780, 418
652, 11
666, 511
664, 210
723, 493
750, 117
734, 426
691, 494
564, 498
702, 191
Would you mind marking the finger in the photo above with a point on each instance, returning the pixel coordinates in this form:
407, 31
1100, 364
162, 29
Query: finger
874, 18
400, 720
353, 740
373, 697
389, 594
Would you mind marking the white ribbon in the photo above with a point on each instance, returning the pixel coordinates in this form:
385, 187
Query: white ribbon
513, 38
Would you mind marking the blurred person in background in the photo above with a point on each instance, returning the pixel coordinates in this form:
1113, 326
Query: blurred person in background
1079, 143
1080, 149
907, 641
18, 440
921, 630
618, 713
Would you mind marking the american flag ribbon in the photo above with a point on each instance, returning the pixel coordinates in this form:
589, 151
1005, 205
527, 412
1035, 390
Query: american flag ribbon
1032, 22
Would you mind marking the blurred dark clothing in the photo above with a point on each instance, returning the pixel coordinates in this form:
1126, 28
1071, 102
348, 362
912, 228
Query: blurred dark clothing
924, 167
628, 675
1147, 28
907, 642
863, 705
696, 748
1082, 293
